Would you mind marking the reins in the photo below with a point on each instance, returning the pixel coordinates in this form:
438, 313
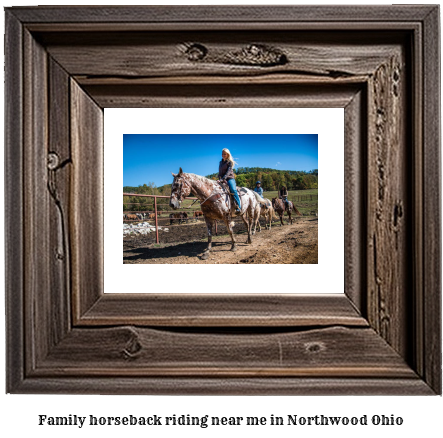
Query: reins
201, 203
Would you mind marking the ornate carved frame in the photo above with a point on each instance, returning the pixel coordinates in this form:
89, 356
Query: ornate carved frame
64, 65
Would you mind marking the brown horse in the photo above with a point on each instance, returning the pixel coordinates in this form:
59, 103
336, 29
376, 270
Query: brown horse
132, 217
280, 207
183, 216
215, 203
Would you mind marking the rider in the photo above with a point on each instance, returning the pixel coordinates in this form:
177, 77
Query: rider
259, 189
226, 173
283, 194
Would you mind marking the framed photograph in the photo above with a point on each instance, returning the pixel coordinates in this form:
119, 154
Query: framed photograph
186, 219
376, 326
281, 151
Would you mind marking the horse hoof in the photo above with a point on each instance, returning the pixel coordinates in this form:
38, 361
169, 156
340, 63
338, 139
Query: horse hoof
205, 256
233, 248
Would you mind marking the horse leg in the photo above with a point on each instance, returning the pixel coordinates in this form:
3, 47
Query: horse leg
257, 219
231, 233
246, 221
290, 217
252, 218
209, 225
254, 224
281, 217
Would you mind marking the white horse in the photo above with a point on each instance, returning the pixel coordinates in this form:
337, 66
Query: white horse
216, 203
267, 213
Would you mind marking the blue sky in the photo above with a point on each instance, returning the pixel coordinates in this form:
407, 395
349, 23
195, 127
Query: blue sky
152, 157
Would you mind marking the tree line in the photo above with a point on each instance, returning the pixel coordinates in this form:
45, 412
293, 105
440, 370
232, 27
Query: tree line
273, 179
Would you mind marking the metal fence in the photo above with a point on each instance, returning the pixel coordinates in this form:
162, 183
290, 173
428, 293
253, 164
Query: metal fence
155, 211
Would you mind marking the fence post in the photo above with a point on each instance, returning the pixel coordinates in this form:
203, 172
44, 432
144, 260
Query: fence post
156, 221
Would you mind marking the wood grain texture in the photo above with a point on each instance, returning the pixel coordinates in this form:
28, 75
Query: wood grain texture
418, 357
37, 306
206, 310
129, 351
388, 204
66, 336
226, 14
14, 238
355, 191
59, 166
86, 197
431, 321
160, 54
227, 386
226, 96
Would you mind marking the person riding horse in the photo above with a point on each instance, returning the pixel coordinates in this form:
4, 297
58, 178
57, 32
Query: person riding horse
283, 194
211, 196
226, 174
259, 189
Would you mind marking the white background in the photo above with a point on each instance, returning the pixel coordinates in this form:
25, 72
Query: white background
18, 413
328, 123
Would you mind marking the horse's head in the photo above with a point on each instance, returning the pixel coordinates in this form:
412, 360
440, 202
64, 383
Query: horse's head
179, 190
273, 202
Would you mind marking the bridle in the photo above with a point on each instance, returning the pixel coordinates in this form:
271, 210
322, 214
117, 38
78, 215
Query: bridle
182, 183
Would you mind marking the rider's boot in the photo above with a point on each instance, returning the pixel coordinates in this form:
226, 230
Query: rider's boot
237, 207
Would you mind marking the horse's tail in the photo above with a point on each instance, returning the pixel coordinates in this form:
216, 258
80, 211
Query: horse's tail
295, 209
260, 199
273, 215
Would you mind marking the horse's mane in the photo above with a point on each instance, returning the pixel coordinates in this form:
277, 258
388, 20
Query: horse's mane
203, 179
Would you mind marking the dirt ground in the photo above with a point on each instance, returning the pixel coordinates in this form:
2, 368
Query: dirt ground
185, 243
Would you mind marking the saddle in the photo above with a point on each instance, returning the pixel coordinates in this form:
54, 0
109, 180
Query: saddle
240, 191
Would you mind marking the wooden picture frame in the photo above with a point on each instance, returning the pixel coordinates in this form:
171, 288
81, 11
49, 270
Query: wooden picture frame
379, 63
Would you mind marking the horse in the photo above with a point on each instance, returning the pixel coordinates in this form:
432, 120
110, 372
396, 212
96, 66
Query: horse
198, 213
268, 214
280, 207
215, 203
183, 216
132, 217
